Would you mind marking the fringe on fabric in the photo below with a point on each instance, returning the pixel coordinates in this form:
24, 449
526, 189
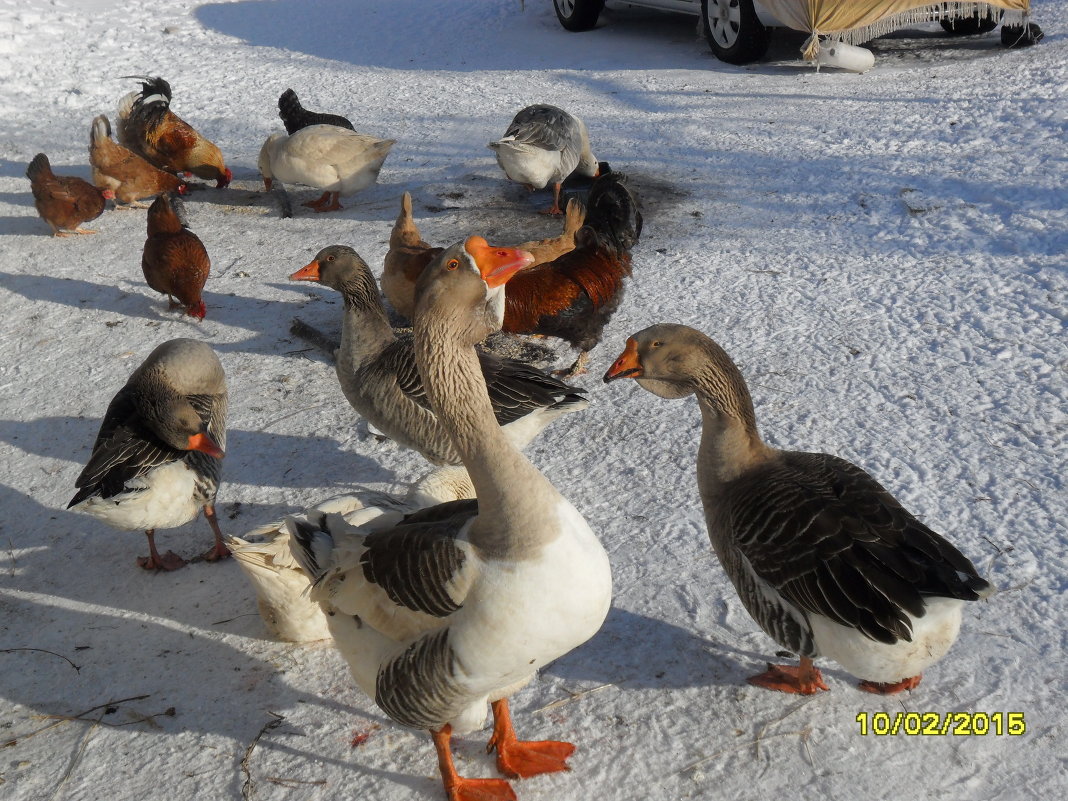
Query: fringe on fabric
932, 13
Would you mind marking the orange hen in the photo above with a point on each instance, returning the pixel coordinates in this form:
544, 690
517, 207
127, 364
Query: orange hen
408, 254
124, 172
175, 261
64, 201
148, 127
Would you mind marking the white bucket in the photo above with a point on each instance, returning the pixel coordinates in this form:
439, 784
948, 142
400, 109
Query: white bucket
845, 56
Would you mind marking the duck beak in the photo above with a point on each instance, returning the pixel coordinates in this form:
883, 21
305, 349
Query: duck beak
496, 265
205, 444
309, 272
628, 365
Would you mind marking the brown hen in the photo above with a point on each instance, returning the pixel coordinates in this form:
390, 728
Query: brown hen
64, 201
175, 261
408, 254
124, 172
148, 127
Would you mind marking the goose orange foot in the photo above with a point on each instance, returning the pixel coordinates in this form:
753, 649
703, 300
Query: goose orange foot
889, 688
480, 790
805, 679
523, 759
457, 787
315, 204
168, 561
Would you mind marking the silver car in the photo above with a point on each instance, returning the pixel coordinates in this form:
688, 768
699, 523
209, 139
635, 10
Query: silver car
737, 30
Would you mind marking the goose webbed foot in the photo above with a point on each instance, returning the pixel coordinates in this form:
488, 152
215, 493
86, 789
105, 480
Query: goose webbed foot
805, 679
457, 787
889, 688
522, 759
154, 561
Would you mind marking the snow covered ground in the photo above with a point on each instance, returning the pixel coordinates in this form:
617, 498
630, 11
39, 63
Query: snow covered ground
884, 255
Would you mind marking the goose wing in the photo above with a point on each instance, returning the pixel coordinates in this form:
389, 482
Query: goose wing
515, 389
832, 541
122, 452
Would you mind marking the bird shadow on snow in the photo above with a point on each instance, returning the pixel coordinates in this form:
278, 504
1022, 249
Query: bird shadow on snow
255, 458
640, 652
461, 37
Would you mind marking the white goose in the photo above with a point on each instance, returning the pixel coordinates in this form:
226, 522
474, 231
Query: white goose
266, 556
822, 556
460, 604
327, 157
543, 145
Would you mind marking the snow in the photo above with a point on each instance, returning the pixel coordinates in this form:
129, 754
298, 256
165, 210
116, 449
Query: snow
883, 255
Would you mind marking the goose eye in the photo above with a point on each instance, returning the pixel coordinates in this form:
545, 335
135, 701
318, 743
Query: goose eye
453, 264
329, 258
657, 343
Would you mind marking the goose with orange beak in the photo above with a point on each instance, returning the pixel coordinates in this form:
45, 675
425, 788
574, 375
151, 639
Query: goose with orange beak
157, 459
377, 371
456, 607
823, 557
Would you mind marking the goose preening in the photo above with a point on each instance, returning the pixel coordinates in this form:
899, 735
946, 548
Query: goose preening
543, 145
377, 369
327, 157
826, 561
459, 604
156, 461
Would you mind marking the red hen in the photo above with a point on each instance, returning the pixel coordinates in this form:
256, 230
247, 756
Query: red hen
64, 201
175, 261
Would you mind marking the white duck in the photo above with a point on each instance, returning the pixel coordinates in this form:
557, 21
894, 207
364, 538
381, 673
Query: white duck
327, 157
461, 603
543, 145
826, 561
157, 458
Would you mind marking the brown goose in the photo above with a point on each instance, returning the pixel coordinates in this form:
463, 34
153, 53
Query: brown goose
377, 369
822, 556
460, 604
156, 461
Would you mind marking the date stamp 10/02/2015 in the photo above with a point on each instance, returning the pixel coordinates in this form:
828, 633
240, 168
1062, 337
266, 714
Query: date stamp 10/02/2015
942, 724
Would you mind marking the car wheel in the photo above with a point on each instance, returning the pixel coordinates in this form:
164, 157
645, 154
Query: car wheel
1021, 35
970, 25
733, 30
578, 15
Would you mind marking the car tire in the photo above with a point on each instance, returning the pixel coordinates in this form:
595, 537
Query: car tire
1021, 35
971, 25
733, 30
578, 15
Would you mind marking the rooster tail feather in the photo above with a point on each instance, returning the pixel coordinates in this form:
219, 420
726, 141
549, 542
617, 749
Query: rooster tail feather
101, 129
612, 210
155, 90
39, 167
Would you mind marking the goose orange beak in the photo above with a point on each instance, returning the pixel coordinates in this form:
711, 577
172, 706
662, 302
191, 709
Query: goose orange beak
628, 365
309, 272
496, 265
205, 444
267, 183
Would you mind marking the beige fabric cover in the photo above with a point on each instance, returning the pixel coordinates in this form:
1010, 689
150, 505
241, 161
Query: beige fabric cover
857, 21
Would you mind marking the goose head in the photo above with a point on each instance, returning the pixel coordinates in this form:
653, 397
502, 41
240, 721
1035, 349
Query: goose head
335, 266
266, 155
161, 388
665, 359
466, 284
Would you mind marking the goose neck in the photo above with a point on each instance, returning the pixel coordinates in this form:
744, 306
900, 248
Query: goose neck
514, 498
